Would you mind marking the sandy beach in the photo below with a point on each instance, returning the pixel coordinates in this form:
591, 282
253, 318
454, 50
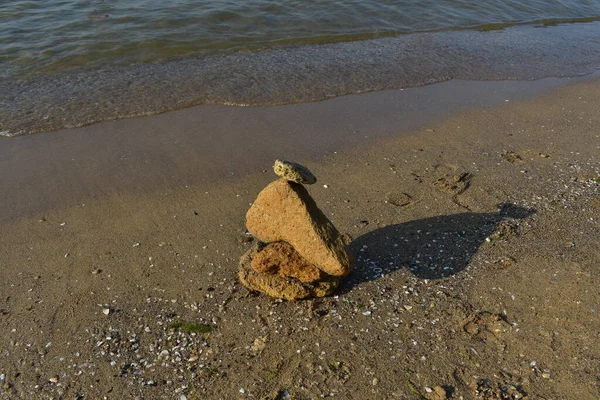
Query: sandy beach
120, 245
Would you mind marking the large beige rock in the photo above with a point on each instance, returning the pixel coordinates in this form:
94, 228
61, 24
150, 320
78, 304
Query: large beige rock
284, 211
277, 286
282, 259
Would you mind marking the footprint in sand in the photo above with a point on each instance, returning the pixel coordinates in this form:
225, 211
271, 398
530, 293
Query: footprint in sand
450, 178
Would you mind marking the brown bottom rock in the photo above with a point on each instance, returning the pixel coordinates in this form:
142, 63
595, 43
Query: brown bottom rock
282, 259
280, 287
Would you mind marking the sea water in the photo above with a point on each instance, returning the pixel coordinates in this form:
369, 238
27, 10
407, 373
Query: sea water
71, 63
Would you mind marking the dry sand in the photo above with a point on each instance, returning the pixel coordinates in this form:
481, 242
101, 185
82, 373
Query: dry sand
476, 238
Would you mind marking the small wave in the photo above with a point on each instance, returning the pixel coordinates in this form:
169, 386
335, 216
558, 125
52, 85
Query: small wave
301, 73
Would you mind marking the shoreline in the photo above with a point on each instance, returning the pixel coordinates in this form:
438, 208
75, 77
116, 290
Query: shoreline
205, 144
452, 295
297, 74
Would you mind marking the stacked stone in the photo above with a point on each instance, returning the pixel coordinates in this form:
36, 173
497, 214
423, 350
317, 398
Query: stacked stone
299, 253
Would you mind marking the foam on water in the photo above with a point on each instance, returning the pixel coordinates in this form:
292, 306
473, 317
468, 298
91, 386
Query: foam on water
300, 73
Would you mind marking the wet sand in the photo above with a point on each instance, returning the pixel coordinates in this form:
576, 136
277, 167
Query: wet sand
484, 286
200, 145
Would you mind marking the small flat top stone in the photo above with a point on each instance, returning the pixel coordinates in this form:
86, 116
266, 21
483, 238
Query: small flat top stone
294, 172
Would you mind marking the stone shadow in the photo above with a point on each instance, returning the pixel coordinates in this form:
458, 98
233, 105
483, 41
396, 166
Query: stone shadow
431, 248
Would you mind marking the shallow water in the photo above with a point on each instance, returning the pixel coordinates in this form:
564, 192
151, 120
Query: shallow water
297, 74
44, 37
68, 64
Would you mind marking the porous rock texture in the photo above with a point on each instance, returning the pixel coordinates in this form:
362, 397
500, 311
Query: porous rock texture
294, 172
280, 258
284, 211
281, 287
